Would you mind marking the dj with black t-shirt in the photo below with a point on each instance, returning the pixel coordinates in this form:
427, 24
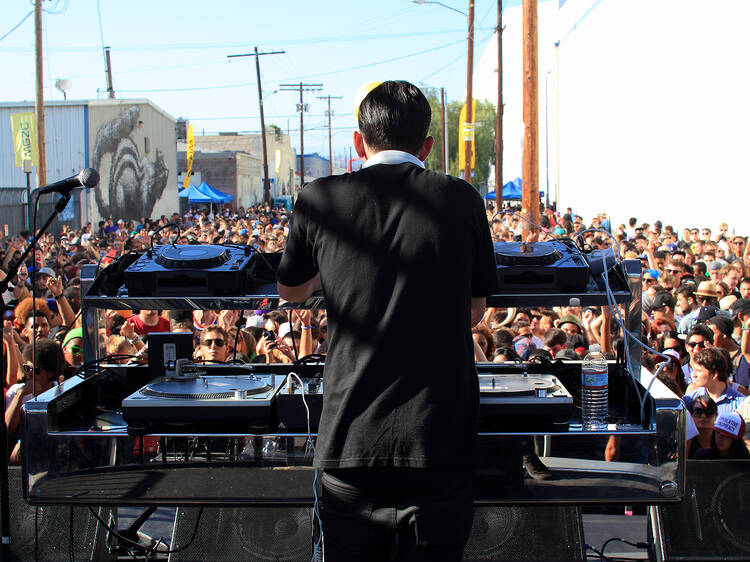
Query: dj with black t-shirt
394, 248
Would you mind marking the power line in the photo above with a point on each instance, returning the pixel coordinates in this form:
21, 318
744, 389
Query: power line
17, 25
302, 87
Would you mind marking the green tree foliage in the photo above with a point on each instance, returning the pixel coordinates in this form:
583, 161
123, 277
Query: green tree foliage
484, 136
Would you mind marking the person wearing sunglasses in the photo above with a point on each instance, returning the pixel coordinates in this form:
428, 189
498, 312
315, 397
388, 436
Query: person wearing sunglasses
710, 376
727, 438
699, 337
214, 346
38, 378
703, 412
72, 347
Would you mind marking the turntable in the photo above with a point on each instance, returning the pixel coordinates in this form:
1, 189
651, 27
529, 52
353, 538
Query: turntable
190, 270
240, 399
523, 400
551, 265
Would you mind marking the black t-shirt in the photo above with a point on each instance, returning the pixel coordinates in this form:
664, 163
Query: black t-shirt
401, 251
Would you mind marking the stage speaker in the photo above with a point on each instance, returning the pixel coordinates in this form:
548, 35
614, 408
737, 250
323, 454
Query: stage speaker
44, 532
243, 533
526, 533
711, 521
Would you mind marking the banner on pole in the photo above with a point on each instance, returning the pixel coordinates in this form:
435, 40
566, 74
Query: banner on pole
466, 134
190, 151
23, 126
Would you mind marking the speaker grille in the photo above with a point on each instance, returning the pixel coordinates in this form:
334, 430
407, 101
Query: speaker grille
711, 522
526, 533
244, 533
53, 529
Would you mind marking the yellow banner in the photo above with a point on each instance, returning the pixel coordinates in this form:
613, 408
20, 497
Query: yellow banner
23, 126
277, 163
190, 153
466, 133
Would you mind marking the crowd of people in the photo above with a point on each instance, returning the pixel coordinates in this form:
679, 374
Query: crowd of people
695, 317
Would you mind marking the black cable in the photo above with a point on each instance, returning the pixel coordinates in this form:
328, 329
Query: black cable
640, 545
71, 552
172, 224
139, 545
36, 534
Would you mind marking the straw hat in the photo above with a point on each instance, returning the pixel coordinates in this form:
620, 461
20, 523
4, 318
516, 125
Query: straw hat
708, 289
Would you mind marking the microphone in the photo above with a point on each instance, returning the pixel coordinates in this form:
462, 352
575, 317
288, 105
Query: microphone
88, 177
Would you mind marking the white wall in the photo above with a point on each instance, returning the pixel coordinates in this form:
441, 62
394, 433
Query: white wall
653, 111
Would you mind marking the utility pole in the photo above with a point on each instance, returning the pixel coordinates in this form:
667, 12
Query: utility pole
302, 88
330, 153
442, 129
499, 112
530, 194
108, 72
266, 181
469, 93
41, 168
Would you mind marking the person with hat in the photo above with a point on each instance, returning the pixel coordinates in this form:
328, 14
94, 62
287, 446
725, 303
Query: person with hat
383, 244
727, 441
707, 294
570, 324
72, 348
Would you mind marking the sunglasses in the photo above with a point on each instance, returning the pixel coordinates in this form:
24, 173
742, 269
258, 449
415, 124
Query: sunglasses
674, 270
218, 342
676, 348
696, 344
28, 369
698, 411
75, 349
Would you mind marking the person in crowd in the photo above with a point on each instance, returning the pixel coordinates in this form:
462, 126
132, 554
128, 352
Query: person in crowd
72, 347
707, 294
727, 440
700, 337
147, 321
214, 346
710, 375
703, 411
570, 324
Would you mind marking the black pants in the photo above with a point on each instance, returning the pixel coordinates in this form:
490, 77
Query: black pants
378, 514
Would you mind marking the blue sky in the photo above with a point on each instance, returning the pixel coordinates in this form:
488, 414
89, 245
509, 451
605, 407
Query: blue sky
175, 54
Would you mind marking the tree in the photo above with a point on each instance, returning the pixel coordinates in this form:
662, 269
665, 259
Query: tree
484, 136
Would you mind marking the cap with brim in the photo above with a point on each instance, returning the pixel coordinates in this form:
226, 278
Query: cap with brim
255, 322
651, 273
740, 306
708, 289
72, 334
714, 265
569, 319
662, 298
705, 313
730, 424
47, 271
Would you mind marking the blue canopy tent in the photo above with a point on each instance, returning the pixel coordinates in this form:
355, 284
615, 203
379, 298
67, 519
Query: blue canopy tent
511, 190
195, 195
219, 196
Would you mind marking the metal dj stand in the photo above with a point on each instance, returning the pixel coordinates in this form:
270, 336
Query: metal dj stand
78, 449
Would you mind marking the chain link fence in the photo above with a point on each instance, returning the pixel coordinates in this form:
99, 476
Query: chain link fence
14, 217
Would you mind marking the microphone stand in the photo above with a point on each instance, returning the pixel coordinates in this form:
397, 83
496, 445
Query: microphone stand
4, 468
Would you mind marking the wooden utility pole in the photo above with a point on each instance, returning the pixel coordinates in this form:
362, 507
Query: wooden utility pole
302, 88
41, 169
444, 156
530, 195
108, 72
330, 114
469, 93
499, 112
266, 181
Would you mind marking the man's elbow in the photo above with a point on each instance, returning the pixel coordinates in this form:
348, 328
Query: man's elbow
300, 293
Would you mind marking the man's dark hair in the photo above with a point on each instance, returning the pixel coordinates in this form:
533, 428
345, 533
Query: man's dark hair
49, 355
395, 116
687, 291
555, 336
632, 222
714, 361
701, 330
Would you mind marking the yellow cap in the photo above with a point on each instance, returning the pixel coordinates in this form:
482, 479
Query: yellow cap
361, 94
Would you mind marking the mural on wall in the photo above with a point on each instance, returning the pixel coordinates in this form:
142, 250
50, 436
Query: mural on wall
135, 184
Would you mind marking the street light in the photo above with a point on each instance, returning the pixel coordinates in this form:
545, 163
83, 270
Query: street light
469, 79
421, 2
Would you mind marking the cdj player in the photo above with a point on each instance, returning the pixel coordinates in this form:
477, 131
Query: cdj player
552, 265
191, 270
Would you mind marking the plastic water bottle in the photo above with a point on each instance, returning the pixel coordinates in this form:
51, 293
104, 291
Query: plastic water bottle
594, 389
